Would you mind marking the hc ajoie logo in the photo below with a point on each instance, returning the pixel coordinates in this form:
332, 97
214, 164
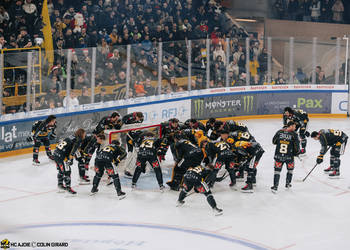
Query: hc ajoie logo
5, 244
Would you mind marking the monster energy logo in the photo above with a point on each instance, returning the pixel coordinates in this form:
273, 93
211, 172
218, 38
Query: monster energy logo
248, 102
203, 107
198, 107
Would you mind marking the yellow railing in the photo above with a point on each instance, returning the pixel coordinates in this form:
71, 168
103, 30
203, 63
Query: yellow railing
37, 65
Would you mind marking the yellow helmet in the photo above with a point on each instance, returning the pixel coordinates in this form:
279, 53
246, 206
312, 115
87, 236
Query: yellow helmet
198, 133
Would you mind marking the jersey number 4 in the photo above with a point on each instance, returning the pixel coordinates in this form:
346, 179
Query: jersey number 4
146, 144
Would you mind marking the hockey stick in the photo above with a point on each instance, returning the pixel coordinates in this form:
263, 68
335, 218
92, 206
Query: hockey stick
314, 167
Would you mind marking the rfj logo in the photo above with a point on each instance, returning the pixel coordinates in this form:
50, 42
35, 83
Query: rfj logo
5, 244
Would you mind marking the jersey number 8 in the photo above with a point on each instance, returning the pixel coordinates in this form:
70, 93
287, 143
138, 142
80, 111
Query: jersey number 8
283, 149
61, 145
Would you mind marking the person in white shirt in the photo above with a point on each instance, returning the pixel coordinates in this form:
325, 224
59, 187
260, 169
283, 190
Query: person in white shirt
71, 101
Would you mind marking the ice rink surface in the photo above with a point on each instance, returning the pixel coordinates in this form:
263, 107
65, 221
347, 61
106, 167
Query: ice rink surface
311, 215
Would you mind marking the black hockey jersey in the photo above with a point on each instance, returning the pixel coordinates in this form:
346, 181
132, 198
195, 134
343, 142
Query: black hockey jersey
330, 137
130, 119
88, 146
168, 132
299, 117
185, 148
287, 145
242, 136
67, 147
149, 146
218, 149
111, 153
41, 129
233, 126
106, 123
195, 125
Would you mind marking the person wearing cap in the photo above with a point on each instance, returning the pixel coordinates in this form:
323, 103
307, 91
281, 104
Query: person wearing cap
53, 95
23, 39
102, 96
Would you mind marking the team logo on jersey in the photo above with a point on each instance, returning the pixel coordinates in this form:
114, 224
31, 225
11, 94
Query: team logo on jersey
5, 244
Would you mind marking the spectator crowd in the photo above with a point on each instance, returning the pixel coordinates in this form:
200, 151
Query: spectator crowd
110, 25
329, 11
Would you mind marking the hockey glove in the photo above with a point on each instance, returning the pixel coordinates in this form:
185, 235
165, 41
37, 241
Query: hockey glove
319, 159
69, 162
307, 133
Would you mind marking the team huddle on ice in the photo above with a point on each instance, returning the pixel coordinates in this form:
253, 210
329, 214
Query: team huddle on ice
199, 152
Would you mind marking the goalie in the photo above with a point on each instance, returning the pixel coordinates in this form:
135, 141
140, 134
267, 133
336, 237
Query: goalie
132, 118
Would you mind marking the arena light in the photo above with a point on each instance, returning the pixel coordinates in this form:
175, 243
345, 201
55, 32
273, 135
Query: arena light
245, 20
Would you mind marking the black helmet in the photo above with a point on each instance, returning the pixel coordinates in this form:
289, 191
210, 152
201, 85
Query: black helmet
116, 142
115, 114
174, 120
178, 136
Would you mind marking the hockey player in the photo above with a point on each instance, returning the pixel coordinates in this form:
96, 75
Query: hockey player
336, 140
230, 126
135, 117
148, 148
193, 178
300, 118
88, 146
210, 126
108, 159
249, 155
194, 124
224, 156
64, 154
169, 128
287, 146
42, 132
243, 136
199, 136
108, 122
187, 154
132, 118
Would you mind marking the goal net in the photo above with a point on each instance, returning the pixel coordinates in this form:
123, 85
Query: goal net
124, 135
